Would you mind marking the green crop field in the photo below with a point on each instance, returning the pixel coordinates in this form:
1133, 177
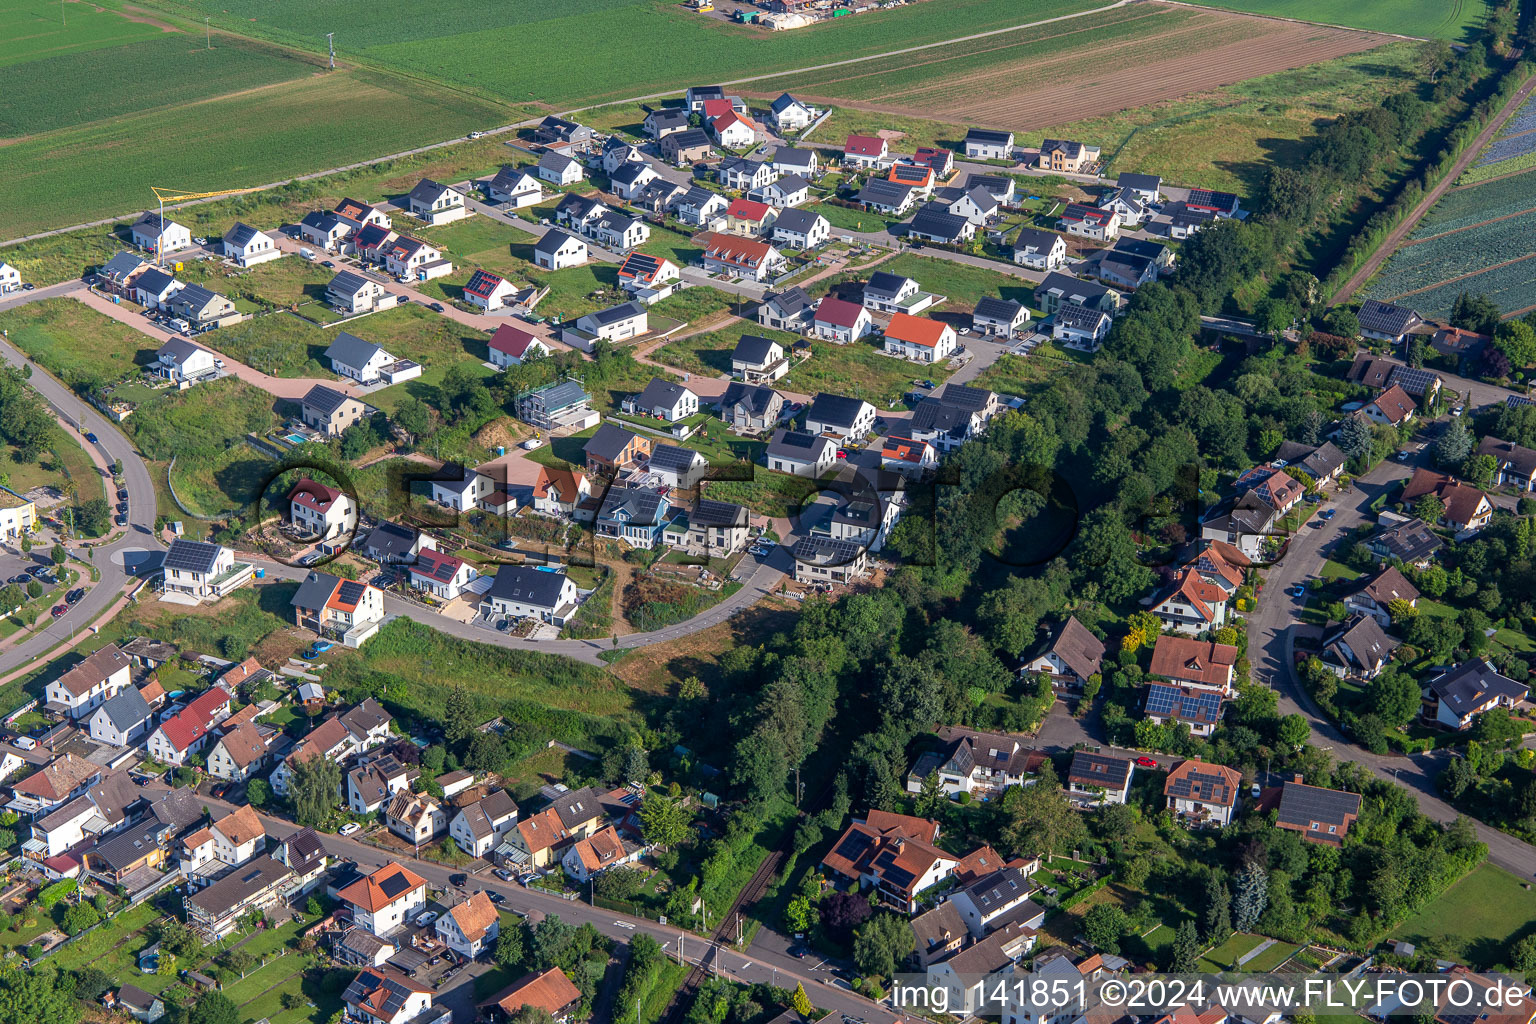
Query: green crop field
33, 29
629, 47
1433, 19
66, 90
246, 139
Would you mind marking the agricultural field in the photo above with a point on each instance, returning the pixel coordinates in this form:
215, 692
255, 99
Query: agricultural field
1513, 150
1477, 239
1457, 21
34, 29
630, 48
1032, 77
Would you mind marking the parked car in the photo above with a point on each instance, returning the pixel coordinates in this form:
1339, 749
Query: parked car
1328, 513
20, 577
458, 880
60, 609
24, 743
1146, 762
122, 493
422, 920
532, 443
90, 437
504, 874
122, 519
74, 595
436, 307
350, 828
494, 896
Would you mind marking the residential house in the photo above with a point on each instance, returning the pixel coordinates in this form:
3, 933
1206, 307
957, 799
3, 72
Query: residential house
613, 450
559, 169
239, 836
371, 242
1467, 509
1412, 543
685, 147
435, 203
487, 291
1323, 463
334, 607
885, 292
557, 131
892, 198
1099, 778
664, 121
1376, 596
698, 95
1275, 486
908, 457
1066, 155
1127, 270
53, 785
821, 559
935, 223
919, 339
550, 991
215, 911
103, 805
138, 1004
783, 194
664, 400
789, 310
1071, 657
840, 417
678, 468
1197, 664
749, 218
802, 162
524, 592
751, 408
411, 259
329, 231
442, 575
1386, 322
1392, 407
735, 256
587, 858
122, 720
386, 899
1464, 691
941, 160
1199, 711
939, 934
716, 529
1190, 604
1245, 522
479, 827
1320, 815
1200, 793
998, 900
179, 360
1131, 208
800, 229
329, 411
156, 234
560, 491
1357, 649
840, 321
128, 857
1184, 220
977, 206
415, 817
249, 247
745, 175
393, 544
1090, 222
1000, 317
202, 309
1221, 204
459, 488
558, 250
238, 754
470, 927
960, 981
119, 273
788, 114
953, 416
324, 513
918, 176
203, 571
701, 208
800, 453
1515, 465
354, 293
351, 356
154, 288
89, 684
734, 130
999, 186
648, 278
383, 995
866, 151
628, 179
1056, 290
515, 187
512, 346
634, 515
982, 764
893, 853
187, 732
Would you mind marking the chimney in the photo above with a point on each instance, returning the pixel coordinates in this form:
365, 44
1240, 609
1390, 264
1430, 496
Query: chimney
1296, 778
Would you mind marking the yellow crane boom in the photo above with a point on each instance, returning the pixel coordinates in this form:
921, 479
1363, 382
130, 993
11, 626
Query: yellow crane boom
177, 195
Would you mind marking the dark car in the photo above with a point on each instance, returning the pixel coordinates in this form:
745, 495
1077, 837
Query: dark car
122, 520
436, 307
90, 437
74, 595
20, 577
122, 494
60, 609
494, 896
328, 263
458, 880
122, 506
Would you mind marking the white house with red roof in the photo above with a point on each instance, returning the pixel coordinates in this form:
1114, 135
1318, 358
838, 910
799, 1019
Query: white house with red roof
1191, 604
1278, 488
323, 512
648, 278
840, 321
1090, 222
1195, 663
749, 218
741, 257
918, 338
866, 151
560, 491
488, 291
383, 901
733, 130
442, 575
512, 346
186, 732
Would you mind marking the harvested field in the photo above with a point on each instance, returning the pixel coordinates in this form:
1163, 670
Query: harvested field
1147, 53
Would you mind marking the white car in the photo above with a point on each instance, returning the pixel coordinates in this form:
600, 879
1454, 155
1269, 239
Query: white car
530, 444
425, 919
24, 743
351, 828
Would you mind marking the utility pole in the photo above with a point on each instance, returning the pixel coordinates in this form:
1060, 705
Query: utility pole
62, 16
330, 40
208, 33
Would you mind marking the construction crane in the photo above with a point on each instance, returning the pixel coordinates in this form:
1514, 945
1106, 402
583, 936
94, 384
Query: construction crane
176, 195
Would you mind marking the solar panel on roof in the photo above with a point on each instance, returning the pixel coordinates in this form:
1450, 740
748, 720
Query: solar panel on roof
351, 592
193, 555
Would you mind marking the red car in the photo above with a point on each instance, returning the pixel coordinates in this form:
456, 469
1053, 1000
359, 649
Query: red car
60, 609
1146, 762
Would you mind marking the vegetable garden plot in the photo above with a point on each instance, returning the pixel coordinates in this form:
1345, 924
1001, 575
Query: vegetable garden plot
1463, 252
1523, 121
1463, 207
1508, 149
1511, 288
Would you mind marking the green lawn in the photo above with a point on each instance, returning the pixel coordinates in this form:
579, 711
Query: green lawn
961, 283
853, 220
80, 346
1225, 955
1458, 22
1271, 958
1026, 375
1477, 920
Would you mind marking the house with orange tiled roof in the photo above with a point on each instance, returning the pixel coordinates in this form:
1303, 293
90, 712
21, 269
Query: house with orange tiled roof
238, 836
1204, 794
536, 837
471, 927
1222, 564
1196, 663
386, 899
1191, 604
560, 491
1278, 489
893, 853
238, 753
918, 338
590, 857
908, 457
343, 609
550, 991
1393, 407
1467, 509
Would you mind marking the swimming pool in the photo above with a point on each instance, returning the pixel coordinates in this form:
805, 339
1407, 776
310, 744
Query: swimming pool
295, 439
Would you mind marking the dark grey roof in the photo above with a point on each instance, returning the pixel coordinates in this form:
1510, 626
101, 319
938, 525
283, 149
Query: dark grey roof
615, 314
1384, 318
136, 998
1143, 182
428, 191
661, 393
1367, 642
783, 103
838, 410
797, 444
1141, 247
1410, 542
527, 585
1473, 683
127, 709
303, 849
639, 505
756, 399
323, 399
791, 300
1034, 238
794, 157
577, 207
737, 163
315, 591
689, 138
671, 457
352, 350
792, 183
178, 349
666, 116
241, 234
630, 172
154, 281
558, 162
934, 416
121, 265
755, 349
1416, 382
578, 806
818, 550
708, 512
1104, 770
195, 296
507, 178
324, 220
191, 555
1073, 315
700, 197
985, 135
883, 282
796, 221
983, 199
935, 221
178, 808
608, 442
397, 992
1301, 805
554, 239
390, 540
884, 192
128, 847
1071, 289
615, 221
347, 283
990, 308
995, 184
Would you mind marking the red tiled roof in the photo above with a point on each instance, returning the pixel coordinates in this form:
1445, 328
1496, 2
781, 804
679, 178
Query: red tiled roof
551, 992
313, 495
864, 145
838, 312
1394, 403
747, 209
717, 108
192, 722
566, 481
735, 250
903, 449
1182, 657
919, 330
513, 341
369, 892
